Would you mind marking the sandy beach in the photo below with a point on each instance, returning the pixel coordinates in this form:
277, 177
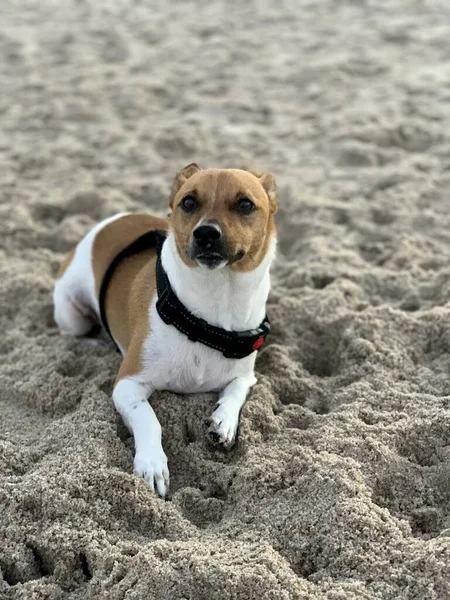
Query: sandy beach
339, 485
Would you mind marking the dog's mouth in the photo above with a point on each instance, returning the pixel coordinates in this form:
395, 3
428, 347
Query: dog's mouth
213, 255
211, 260
238, 256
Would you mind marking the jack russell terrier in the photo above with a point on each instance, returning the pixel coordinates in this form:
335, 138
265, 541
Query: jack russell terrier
183, 299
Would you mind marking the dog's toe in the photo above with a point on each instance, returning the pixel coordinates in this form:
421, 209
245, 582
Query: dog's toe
214, 437
152, 466
223, 426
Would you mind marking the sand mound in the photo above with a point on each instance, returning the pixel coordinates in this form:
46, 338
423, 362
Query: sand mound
339, 487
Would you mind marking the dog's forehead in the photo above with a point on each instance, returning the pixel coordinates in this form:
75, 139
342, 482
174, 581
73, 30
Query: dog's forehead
225, 183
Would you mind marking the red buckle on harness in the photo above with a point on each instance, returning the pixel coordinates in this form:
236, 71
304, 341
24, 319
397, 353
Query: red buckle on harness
259, 342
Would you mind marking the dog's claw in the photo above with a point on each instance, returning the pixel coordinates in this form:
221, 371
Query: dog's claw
223, 426
152, 466
214, 437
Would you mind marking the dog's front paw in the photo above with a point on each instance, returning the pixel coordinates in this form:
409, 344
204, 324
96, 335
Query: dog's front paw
151, 464
223, 425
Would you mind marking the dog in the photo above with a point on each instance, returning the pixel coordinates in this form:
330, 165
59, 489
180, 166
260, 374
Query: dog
183, 298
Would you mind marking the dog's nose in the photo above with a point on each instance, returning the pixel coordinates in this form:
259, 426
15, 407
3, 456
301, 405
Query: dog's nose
206, 234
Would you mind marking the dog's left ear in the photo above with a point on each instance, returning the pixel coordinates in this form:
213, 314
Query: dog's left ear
180, 178
267, 180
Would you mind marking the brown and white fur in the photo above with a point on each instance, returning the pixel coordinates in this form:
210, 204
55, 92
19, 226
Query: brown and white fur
229, 292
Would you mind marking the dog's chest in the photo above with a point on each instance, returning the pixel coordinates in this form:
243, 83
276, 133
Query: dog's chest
174, 363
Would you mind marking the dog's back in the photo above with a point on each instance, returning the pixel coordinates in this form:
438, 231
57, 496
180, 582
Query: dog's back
76, 293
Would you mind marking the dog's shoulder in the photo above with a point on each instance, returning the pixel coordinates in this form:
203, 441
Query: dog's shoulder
116, 236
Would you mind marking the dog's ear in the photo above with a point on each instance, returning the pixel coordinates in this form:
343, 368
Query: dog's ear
267, 180
180, 178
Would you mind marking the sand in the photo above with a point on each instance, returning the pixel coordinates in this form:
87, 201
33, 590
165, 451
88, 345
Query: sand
339, 486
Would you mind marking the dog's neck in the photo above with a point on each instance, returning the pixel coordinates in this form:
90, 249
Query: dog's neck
224, 298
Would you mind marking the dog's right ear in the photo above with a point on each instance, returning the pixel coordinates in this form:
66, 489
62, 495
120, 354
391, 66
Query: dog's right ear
267, 180
180, 178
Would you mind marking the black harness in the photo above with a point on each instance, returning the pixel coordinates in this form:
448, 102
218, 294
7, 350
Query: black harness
232, 344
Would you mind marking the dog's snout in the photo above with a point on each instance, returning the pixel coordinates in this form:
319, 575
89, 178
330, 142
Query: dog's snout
206, 234
207, 246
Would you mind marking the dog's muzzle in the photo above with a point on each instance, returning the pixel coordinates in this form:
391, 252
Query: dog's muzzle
207, 247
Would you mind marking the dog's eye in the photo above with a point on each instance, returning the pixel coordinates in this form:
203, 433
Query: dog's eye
189, 204
245, 206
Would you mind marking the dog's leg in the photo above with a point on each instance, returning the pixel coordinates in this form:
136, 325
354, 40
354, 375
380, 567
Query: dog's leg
225, 419
72, 318
150, 462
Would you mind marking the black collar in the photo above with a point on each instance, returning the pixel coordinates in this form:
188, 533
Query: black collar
232, 344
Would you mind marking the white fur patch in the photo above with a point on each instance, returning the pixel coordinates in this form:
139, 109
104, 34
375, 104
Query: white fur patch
225, 419
75, 303
150, 462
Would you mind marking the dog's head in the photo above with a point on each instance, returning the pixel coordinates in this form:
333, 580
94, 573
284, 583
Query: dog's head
223, 217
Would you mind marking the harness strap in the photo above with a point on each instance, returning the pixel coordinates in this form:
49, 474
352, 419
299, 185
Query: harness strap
150, 239
232, 344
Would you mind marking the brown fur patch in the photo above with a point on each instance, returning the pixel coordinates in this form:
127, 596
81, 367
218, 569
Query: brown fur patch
116, 236
130, 292
132, 285
217, 191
